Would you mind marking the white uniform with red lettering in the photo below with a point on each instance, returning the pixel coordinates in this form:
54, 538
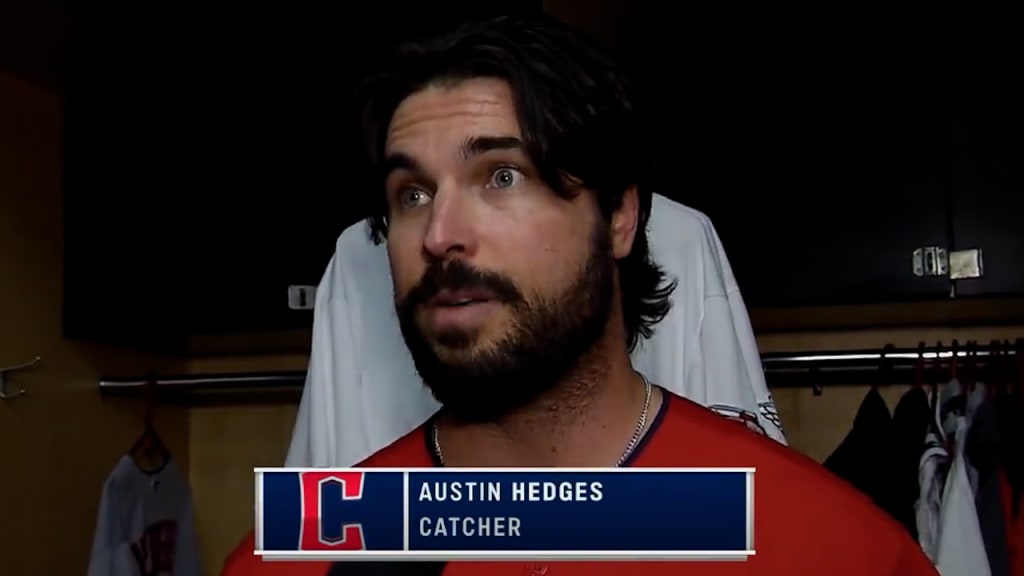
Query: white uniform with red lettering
145, 524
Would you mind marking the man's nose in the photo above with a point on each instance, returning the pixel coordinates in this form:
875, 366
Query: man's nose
452, 227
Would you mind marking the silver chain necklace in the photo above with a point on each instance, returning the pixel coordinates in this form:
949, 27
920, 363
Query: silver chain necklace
638, 433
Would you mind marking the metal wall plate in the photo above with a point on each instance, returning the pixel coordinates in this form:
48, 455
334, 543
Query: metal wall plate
301, 297
964, 264
930, 261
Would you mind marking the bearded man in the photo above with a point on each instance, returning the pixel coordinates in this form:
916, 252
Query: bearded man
514, 193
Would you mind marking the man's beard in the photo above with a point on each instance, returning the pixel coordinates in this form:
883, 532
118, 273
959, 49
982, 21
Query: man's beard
546, 340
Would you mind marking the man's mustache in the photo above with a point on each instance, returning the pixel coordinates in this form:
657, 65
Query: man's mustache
458, 275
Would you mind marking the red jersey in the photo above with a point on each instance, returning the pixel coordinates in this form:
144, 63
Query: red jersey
1014, 523
806, 520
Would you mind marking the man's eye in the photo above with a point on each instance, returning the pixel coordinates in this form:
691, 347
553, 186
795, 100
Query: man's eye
412, 197
505, 178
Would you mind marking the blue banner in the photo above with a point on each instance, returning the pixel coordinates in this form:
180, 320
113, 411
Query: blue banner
507, 513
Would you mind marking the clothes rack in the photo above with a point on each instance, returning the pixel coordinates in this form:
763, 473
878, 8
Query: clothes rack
211, 388
880, 366
813, 369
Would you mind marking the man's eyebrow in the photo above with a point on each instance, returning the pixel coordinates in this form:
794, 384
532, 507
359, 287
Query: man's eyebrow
399, 161
471, 148
478, 145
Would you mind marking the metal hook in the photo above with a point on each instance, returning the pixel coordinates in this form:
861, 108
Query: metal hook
4, 393
884, 365
816, 389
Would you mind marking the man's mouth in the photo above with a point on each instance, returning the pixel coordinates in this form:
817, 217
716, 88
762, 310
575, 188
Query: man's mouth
459, 299
463, 302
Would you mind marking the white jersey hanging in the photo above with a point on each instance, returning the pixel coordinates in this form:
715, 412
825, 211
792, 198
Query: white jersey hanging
145, 524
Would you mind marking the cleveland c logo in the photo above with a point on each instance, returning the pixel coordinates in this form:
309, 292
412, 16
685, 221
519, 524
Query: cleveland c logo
327, 519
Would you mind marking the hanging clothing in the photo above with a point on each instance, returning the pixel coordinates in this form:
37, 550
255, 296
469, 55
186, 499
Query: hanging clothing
982, 455
865, 458
1009, 410
948, 527
928, 508
932, 472
961, 550
974, 398
145, 524
1014, 527
363, 393
910, 422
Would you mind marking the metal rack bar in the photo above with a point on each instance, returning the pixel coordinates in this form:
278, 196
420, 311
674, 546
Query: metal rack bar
782, 370
888, 365
212, 388
234, 381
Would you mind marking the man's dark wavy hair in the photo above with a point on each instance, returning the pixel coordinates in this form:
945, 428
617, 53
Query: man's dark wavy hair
578, 118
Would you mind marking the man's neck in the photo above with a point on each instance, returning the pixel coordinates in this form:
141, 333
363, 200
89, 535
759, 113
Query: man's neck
587, 420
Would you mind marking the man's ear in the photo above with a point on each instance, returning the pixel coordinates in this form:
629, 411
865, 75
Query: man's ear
624, 223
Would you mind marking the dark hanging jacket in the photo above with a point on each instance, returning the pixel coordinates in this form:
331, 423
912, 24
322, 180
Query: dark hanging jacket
865, 456
982, 450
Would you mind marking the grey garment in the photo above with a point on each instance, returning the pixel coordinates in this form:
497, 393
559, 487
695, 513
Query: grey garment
981, 452
975, 398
